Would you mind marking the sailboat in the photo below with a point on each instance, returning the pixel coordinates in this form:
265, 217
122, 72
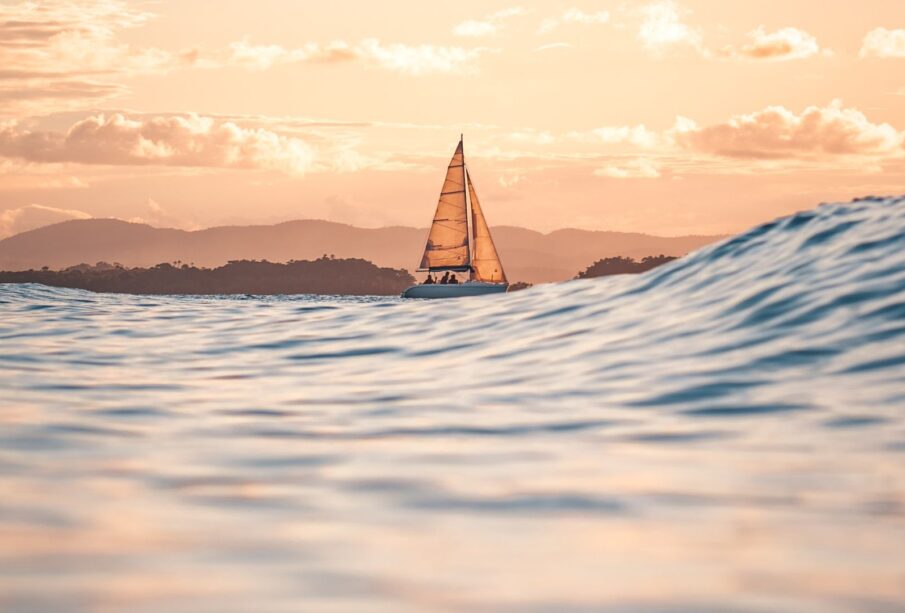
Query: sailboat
460, 242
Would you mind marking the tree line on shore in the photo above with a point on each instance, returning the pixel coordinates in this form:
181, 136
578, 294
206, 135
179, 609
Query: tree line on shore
325, 275
623, 266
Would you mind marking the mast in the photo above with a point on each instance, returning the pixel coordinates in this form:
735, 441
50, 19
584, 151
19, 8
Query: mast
469, 222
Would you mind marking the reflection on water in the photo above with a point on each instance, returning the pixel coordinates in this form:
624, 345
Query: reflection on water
721, 434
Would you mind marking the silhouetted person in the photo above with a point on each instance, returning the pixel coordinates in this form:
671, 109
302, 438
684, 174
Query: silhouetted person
429, 280
445, 278
453, 280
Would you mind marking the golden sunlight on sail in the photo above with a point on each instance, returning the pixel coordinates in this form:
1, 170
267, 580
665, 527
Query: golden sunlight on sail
447, 243
484, 260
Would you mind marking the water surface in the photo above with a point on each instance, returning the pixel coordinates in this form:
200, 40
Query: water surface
724, 433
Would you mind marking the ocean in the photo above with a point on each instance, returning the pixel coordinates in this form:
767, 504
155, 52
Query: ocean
723, 433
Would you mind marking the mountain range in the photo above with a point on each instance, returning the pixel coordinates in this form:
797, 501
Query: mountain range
527, 255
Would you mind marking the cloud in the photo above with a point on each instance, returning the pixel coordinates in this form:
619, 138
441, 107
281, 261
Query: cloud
476, 29
632, 169
178, 140
32, 216
17, 175
776, 132
78, 40
784, 44
58, 55
662, 27
881, 42
579, 16
77, 37
535, 137
419, 60
265, 56
638, 136
60, 89
573, 16
32, 24
156, 215
550, 46
489, 25
510, 180
414, 60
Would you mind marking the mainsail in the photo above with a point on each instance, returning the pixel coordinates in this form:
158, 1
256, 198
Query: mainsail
485, 261
447, 243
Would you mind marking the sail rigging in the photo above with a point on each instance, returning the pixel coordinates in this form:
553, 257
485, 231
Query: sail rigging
459, 241
447, 243
484, 260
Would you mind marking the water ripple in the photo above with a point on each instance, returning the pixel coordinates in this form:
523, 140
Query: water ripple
720, 432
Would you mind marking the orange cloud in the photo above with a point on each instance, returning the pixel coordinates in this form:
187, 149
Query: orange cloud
881, 42
414, 60
489, 25
60, 89
777, 132
417, 60
532, 136
638, 136
265, 56
182, 140
156, 215
59, 55
59, 49
573, 15
662, 27
633, 169
784, 44
76, 38
549, 46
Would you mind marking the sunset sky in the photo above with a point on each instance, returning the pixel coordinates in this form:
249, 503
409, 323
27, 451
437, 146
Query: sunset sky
694, 116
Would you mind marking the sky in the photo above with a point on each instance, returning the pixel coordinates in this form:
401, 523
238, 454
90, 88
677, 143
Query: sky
665, 117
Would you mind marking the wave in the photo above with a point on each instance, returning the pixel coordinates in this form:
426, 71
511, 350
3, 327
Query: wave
815, 297
793, 308
745, 399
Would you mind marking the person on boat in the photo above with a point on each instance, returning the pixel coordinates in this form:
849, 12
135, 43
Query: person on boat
445, 278
453, 280
429, 280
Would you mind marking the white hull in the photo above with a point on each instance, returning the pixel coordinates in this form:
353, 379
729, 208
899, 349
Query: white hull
456, 290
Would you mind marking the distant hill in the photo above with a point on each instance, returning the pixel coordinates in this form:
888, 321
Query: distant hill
527, 255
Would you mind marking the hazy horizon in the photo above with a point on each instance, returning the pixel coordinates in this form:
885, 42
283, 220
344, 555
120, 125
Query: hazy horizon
32, 224
530, 256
